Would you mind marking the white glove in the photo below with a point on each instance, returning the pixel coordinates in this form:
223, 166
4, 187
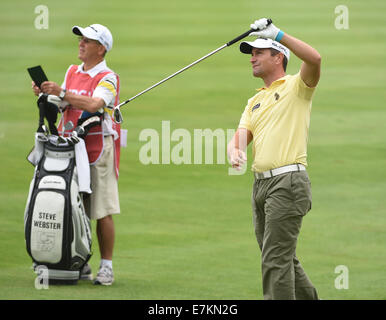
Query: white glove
265, 31
57, 101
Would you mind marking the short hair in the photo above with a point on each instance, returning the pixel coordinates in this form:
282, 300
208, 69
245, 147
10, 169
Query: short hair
274, 52
104, 53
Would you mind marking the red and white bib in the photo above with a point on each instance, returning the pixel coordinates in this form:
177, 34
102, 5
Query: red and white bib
83, 84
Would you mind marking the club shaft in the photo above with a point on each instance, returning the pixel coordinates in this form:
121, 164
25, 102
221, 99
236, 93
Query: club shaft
174, 74
245, 34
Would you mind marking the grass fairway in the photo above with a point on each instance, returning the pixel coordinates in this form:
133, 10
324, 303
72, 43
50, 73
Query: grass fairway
185, 231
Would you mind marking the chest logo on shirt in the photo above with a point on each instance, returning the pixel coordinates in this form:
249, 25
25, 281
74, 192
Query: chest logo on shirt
255, 107
277, 96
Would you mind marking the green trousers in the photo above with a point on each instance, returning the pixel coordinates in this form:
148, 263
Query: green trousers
279, 204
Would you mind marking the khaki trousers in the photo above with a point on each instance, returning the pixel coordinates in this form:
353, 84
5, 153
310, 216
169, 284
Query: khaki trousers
279, 204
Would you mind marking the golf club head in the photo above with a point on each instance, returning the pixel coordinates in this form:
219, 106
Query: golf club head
69, 126
61, 140
70, 142
45, 130
78, 131
118, 115
41, 137
74, 139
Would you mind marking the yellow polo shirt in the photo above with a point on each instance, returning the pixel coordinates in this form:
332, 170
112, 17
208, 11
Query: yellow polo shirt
279, 118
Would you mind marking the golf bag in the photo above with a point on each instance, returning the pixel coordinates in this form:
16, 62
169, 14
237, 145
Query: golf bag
57, 229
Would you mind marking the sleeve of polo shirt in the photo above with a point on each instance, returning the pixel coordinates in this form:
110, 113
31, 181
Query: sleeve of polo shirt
63, 86
303, 91
107, 89
245, 121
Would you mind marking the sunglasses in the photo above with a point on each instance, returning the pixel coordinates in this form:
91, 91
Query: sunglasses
87, 40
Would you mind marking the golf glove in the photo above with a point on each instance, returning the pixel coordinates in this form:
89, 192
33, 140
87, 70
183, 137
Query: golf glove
265, 31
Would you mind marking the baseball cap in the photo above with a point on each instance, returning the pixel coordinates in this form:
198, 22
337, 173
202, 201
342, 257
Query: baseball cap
96, 32
263, 43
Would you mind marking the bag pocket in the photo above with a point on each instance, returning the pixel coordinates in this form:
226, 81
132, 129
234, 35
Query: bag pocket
46, 229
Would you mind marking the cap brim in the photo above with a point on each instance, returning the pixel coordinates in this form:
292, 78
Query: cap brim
85, 32
246, 47
261, 43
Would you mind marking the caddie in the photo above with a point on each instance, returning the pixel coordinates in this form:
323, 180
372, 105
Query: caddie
276, 120
89, 89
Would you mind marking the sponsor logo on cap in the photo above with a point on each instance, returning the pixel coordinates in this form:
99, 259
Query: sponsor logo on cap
94, 29
275, 44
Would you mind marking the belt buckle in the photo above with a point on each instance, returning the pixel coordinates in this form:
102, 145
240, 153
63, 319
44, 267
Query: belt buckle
260, 175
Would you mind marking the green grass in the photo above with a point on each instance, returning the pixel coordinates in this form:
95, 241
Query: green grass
185, 231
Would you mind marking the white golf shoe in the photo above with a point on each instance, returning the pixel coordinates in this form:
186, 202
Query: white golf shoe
105, 276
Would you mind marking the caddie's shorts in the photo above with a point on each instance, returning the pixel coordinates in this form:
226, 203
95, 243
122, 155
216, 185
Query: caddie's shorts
104, 200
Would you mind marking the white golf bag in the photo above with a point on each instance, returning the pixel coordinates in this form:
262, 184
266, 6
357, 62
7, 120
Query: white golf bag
57, 229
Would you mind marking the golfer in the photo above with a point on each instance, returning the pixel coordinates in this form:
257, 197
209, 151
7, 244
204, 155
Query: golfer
276, 120
93, 89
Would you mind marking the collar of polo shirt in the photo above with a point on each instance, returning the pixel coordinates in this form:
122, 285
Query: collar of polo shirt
275, 83
95, 70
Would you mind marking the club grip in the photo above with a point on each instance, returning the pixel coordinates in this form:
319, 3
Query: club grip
245, 34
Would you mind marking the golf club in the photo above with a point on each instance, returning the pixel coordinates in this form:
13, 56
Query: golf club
117, 109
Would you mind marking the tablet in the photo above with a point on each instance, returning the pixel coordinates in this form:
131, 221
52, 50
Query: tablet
37, 74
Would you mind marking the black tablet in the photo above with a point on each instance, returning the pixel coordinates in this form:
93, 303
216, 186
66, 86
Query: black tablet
37, 74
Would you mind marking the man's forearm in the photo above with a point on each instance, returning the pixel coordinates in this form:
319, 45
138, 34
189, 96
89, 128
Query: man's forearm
301, 49
240, 140
86, 103
237, 146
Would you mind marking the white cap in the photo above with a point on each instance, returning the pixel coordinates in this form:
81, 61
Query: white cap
263, 43
96, 32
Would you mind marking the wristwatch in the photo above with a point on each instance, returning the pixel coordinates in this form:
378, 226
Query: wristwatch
62, 94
